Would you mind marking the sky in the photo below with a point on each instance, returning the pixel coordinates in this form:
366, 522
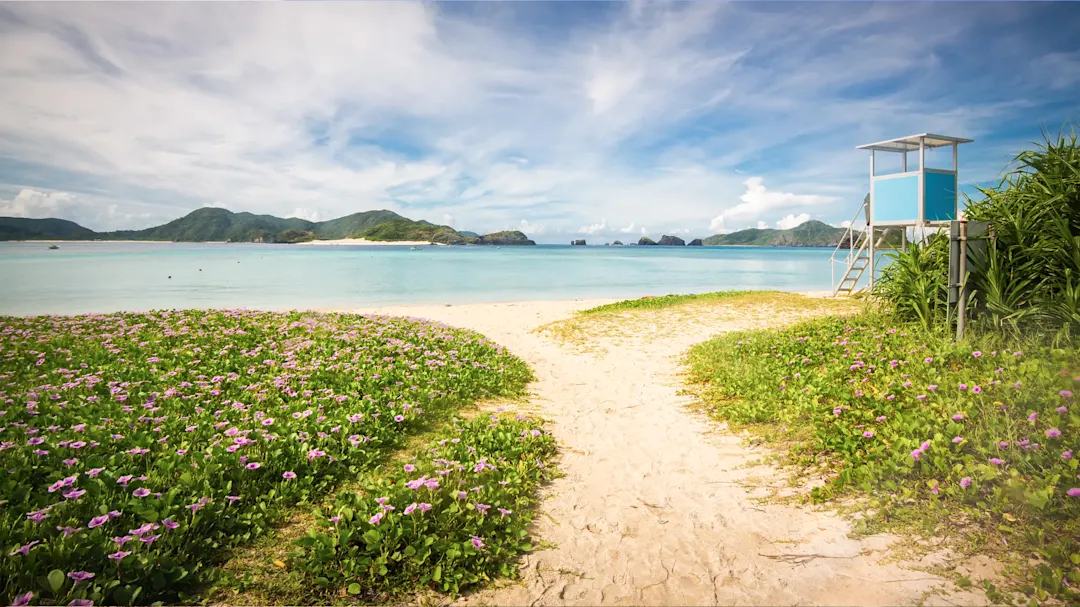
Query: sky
563, 120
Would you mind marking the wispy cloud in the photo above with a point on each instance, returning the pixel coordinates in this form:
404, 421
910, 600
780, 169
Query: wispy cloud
699, 116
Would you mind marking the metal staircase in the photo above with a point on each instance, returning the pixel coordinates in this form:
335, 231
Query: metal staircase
855, 256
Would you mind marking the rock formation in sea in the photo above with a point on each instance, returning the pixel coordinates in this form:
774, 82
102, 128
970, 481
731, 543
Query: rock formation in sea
671, 241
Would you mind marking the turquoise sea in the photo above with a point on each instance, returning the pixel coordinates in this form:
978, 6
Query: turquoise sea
106, 277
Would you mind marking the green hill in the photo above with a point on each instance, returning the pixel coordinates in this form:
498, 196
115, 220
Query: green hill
812, 233
351, 225
23, 228
213, 224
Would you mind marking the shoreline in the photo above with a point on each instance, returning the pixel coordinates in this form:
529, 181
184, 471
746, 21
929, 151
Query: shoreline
366, 242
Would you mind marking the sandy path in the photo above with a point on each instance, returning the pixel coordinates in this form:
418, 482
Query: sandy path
652, 509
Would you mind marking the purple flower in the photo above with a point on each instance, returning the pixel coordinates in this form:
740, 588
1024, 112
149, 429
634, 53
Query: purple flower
22, 599
915, 454
411, 508
976, 354
868, 434
479, 543
375, 520
1065, 394
141, 492
958, 439
69, 530
288, 475
965, 482
1074, 492
80, 576
253, 466
958, 417
124, 480
1062, 410
481, 508
1053, 433
410, 468
504, 512
963, 386
149, 539
170, 524
928, 360
1066, 455
119, 556
996, 461
121, 540
74, 494
932, 387
93, 472
24, 550
880, 418
399, 418
461, 495
81, 603
98, 521
424, 507
1033, 417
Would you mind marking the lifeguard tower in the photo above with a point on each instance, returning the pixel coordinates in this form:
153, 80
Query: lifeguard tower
919, 198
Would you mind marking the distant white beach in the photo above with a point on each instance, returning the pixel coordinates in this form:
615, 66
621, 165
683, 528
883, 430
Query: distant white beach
366, 242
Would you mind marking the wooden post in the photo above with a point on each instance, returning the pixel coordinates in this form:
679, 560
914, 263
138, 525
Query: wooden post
961, 289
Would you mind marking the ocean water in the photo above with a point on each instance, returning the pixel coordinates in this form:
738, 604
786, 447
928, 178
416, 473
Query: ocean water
107, 277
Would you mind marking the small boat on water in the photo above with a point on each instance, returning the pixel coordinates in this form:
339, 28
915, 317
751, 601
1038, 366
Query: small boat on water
52, 247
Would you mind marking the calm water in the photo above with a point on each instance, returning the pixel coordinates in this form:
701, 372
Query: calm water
105, 277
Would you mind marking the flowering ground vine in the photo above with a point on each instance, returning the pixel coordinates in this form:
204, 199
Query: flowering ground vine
137, 448
455, 517
979, 438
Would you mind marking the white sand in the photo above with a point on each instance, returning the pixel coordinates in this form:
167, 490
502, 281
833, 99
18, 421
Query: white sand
364, 241
654, 508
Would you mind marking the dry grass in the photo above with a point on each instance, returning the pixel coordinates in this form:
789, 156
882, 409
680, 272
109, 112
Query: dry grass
624, 325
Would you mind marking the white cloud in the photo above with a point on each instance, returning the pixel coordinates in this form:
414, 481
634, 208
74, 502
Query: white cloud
32, 203
531, 228
791, 221
761, 225
628, 229
448, 220
845, 224
308, 214
758, 201
89, 211
595, 228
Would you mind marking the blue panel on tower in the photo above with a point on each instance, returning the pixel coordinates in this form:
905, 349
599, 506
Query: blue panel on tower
940, 196
896, 199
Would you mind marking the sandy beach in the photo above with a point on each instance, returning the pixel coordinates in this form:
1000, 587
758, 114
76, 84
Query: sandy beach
658, 505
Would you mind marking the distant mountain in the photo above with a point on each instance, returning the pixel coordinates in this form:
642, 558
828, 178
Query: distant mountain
467, 233
213, 224
812, 233
22, 228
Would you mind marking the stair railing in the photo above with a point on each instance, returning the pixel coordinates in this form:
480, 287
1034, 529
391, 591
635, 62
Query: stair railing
854, 240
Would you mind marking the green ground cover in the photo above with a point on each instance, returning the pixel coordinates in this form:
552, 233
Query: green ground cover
139, 449
964, 439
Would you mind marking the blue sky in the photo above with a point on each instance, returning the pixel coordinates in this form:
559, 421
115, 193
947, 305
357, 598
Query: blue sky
565, 120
